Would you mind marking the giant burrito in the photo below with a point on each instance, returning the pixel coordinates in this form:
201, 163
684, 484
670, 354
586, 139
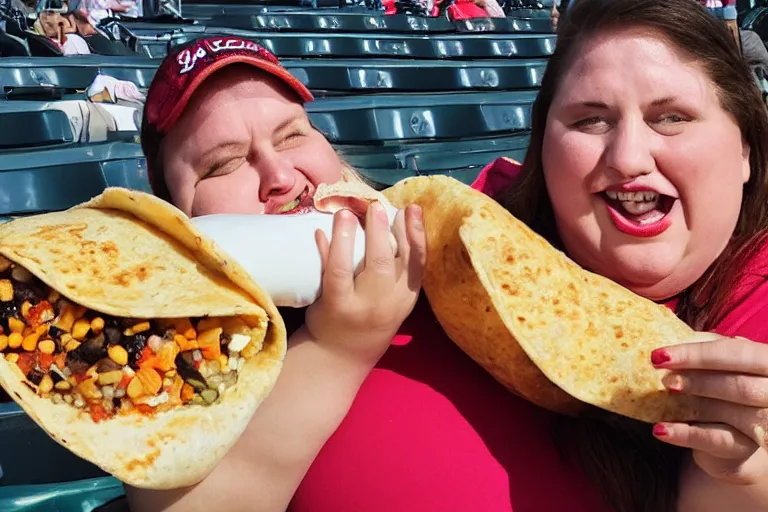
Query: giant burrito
541, 325
131, 339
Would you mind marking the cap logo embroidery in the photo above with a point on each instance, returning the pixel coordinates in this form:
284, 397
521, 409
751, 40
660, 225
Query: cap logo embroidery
188, 60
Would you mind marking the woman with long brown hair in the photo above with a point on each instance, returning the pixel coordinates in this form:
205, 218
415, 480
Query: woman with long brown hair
647, 164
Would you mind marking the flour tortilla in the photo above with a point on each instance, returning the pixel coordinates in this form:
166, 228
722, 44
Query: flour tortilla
129, 254
541, 325
353, 195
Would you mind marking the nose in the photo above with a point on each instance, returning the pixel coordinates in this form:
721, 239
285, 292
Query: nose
629, 151
277, 175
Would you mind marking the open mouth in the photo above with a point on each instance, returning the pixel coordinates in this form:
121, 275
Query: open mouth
301, 204
642, 213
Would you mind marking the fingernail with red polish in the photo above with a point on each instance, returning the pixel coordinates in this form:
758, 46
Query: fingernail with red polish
659, 357
660, 430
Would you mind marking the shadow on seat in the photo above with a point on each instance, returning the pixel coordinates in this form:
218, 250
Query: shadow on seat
41, 46
12, 47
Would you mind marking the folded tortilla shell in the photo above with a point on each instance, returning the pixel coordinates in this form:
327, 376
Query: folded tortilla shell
353, 195
129, 254
541, 325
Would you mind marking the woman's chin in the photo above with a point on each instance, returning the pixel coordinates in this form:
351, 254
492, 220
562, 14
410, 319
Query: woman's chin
651, 275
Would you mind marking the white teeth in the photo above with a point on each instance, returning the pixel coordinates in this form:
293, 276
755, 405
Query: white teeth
639, 196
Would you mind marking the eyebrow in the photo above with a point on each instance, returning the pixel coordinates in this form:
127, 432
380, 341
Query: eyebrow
659, 102
288, 123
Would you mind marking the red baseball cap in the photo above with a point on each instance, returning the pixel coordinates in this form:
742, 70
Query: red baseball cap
181, 73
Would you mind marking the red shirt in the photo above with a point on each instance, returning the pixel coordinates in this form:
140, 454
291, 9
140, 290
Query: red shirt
430, 430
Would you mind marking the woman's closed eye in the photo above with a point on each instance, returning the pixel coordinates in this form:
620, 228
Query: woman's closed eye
223, 167
289, 140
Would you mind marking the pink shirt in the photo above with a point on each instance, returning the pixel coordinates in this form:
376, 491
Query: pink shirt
431, 431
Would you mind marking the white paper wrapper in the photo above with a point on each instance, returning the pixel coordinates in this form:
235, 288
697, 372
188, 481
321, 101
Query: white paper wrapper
279, 251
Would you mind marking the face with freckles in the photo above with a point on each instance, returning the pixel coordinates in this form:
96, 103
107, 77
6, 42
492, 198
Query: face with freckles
644, 168
244, 144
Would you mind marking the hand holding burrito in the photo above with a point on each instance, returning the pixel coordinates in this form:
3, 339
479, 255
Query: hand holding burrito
541, 325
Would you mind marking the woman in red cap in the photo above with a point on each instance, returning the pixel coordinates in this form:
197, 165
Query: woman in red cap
424, 428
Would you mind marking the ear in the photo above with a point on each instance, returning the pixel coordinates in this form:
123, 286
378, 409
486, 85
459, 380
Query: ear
745, 168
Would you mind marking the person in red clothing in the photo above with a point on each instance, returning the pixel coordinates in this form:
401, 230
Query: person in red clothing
647, 165
644, 95
429, 429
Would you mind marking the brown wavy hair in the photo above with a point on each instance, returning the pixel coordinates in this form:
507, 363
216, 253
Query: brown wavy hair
635, 472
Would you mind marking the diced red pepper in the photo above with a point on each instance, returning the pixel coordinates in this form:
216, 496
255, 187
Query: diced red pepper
44, 361
197, 364
145, 409
146, 357
40, 313
26, 362
80, 377
125, 381
97, 411
60, 360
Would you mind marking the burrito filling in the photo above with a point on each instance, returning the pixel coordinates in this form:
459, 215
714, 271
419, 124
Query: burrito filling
109, 365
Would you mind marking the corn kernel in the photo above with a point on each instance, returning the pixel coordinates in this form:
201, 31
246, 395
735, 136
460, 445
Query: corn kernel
66, 318
6, 290
109, 378
63, 385
97, 325
25, 307
81, 328
16, 325
140, 327
29, 343
135, 388
46, 384
71, 345
223, 363
3, 342
15, 339
118, 355
47, 347
13, 357
89, 390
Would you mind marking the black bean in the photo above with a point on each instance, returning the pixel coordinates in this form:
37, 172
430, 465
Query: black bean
8, 310
27, 291
77, 366
56, 377
111, 321
89, 352
35, 376
189, 373
112, 335
55, 332
116, 402
134, 345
